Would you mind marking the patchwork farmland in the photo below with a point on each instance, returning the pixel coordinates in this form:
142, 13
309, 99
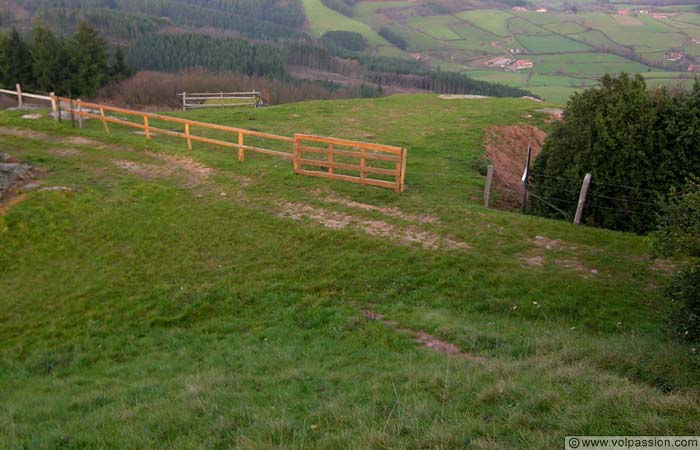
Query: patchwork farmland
568, 47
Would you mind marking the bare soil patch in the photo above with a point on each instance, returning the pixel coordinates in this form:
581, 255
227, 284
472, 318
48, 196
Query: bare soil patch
547, 243
387, 211
339, 220
148, 171
65, 152
425, 339
544, 246
20, 132
80, 140
532, 261
506, 148
196, 172
185, 163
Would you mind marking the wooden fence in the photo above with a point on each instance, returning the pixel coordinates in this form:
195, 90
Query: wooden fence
358, 162
22, 95
221, 99
336, 159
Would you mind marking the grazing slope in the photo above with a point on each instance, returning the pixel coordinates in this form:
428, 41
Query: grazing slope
173, 299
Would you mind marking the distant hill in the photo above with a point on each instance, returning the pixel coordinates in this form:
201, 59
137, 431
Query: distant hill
131, 19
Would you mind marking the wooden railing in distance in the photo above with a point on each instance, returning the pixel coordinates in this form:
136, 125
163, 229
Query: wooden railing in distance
224, 99
85, 109
353, 161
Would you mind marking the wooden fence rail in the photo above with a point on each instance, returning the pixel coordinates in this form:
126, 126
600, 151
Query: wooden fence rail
357, 162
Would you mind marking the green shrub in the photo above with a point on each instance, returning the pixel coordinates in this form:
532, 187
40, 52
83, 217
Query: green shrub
393, 37
684, 292
347, 40
637, 144
679, 235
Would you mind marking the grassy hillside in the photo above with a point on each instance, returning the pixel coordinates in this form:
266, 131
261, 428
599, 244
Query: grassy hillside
175, 299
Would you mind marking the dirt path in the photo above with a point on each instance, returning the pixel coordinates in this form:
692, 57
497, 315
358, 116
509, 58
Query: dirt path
424, 339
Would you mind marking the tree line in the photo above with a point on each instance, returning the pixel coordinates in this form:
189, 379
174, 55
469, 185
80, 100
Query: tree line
258, 19
399, 72
116, 24
175, 52
76, 66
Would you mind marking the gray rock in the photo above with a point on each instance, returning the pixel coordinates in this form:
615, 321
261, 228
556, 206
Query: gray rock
11, 173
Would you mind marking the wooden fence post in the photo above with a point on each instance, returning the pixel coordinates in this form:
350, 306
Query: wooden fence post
146, 127
241, 152
487, 188
187, 134
104, 122
331, 158
363, 164
404, 157
297, 154
80, 116
184, 101
582, 198
54, 106
526, 177
20, 102
72, 111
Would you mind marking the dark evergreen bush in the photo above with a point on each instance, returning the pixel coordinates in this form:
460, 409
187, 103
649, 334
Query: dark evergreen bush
636, 144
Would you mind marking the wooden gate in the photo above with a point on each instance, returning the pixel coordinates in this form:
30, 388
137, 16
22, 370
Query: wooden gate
357, 162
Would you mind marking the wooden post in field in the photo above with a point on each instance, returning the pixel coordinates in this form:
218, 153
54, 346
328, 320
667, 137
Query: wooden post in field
222, 100
241, 152
363, 164
104, 122
331, 158
404, 156
80, 116
297, 155
72, 111
487, 188
20, 102
582, 198
146, 127
526, 176
54, 106
184, 101
187, 134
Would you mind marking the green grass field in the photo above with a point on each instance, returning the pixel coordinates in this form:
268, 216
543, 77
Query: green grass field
322, 19
551, 44
175, 299
494, 21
